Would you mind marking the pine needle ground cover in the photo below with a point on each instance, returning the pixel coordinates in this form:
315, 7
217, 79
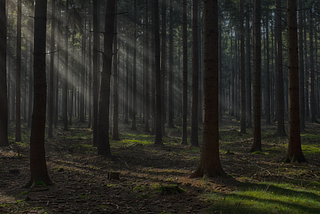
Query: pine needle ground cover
154, 179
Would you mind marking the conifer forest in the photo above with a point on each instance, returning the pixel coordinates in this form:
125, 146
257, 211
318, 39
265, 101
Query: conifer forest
160, 106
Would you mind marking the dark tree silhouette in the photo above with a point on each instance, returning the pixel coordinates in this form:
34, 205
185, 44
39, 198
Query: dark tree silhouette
210, 165
3, 76
243, 72
104, 99
38, 166
294, 148
18, 76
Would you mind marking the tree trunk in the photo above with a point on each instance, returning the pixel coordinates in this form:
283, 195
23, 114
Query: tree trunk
163, 62
210, 165
51, 83
134, 73
248, 49
195, 76
301, 70
158, 138
65, 77
115, 131
38, 167
3, 77
294, 148
243, 72
170, 70
280, 92
268, 71
185, 76
146, 70
257, 77
83, 71
104, 99
18, 76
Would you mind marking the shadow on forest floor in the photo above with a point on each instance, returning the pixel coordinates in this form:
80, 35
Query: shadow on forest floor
258, 182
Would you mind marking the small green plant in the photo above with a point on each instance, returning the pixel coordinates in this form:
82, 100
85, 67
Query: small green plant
24, 193
41, 183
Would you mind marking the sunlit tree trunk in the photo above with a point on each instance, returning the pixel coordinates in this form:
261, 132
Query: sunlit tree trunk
104, 99
294, 148
51, 83
257, 77
280, 83
243, 72
158, 130
115, 131
210, 165
65, 76
195, 75
3, 77
18, 75
185, 76
38, 166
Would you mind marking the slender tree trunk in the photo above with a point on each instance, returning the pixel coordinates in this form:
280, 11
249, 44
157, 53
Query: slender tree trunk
301, 70
51, 88
248, 49
126, 105
158, 138
38, 167
257, 77
3, 77
268, 71
280, 82
83, 71
185, 76
312, 76
210, 165
134, 73
31, 68
163, 62
18, 76
170, 70
146, 70
65, 77
294, 148
104, 99
195, 75
243, 72
115, 131
90, 79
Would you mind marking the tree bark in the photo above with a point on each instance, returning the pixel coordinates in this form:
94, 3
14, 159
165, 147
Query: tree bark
248, 49
38, 167
243, 72
195, 76
185, 76
267, 71
158, 138
134, 72
65, 76
104, 99
3, 76
210, 165
301, 69
146, 70
18, 76
170, 70
257, 77
163, 61
294, 148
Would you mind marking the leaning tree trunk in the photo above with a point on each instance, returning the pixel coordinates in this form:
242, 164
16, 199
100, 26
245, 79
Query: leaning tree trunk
294, 148
257, 77
210, 165
38, 166
3, 76
104, 99
195, 76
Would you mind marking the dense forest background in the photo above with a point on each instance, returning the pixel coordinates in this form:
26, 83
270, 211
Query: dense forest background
165, 70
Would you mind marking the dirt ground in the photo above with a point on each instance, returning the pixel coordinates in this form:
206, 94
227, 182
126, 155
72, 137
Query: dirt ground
147, 173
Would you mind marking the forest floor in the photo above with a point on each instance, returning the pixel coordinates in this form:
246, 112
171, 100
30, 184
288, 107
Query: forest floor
155, 179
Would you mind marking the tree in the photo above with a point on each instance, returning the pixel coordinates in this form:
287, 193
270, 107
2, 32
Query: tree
104, 99
38, 167
65, 77
210, 165
134, 73
280, 92
51, 88
158, 138
146, 69
115, 130
294, 148
257, 77
301, 69
195, 75
185, 76
243, 72
170, 70
18, 75
3, 76
248, 49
